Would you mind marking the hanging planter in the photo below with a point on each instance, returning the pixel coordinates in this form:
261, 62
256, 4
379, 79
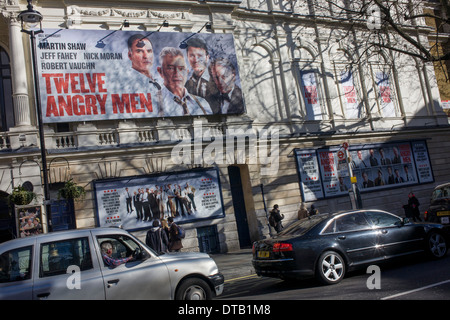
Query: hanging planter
71, 191
21, 197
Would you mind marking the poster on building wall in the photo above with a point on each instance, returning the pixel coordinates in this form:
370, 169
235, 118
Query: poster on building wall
88, 75
422, 161
135, 202
385, 94
381, 166
311, 95
352, 107
334, 172
375, 166
310, 180
29, 220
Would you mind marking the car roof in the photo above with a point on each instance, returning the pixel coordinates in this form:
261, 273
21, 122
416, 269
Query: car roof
340, 212
32, 239
442, 185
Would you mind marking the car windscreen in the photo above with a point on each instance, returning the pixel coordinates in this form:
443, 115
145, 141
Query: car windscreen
300, 227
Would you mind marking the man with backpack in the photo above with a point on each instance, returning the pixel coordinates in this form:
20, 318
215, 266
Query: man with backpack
275, 219
175, 236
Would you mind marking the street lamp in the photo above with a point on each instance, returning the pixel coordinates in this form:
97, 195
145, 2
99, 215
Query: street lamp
29, 19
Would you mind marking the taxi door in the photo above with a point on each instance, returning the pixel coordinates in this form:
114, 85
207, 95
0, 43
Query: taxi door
144, 277
66, 268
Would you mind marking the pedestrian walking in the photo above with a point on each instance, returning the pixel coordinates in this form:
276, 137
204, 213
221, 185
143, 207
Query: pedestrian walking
275, 219
413, 204
313, 211
302, 212
175, 243
157, 238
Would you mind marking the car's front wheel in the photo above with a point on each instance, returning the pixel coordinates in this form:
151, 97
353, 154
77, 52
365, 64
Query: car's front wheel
437, 246
330, 267
193, 289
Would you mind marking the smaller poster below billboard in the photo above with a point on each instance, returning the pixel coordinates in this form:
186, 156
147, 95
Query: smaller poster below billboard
422, 160
135, 202
310, 181
325, 172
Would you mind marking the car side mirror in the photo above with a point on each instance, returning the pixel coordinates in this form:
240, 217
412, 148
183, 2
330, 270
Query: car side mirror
405, 220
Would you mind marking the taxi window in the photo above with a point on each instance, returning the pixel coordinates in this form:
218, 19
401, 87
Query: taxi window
436, 194
15, 265
56, 257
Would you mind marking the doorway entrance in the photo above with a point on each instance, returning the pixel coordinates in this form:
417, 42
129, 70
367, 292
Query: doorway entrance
240, 212
63, 211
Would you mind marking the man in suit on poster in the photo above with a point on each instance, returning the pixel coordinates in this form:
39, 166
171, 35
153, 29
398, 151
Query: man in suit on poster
229, 98
128, 198
176, 99
141, 79
200, 83
137, 204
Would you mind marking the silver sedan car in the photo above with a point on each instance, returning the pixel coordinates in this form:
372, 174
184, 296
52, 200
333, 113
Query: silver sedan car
102, 263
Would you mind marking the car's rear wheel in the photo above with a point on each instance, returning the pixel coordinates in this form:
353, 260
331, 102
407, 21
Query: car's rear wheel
437, 246
330, 267
193, 289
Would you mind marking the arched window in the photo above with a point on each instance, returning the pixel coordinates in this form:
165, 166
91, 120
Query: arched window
6, 101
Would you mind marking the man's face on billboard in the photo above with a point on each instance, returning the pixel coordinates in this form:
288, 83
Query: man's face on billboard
141, 58
174, 72
223, 78
198, 60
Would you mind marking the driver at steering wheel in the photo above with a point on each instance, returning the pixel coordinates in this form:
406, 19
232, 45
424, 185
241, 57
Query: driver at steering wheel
107, 250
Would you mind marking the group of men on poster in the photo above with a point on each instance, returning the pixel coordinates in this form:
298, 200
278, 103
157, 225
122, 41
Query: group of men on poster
161, 202
381, 164
211, 89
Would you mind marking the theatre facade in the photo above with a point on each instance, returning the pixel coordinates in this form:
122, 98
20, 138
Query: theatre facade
210, 112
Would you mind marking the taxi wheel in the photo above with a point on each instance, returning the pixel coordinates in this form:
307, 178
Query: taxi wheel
193, 289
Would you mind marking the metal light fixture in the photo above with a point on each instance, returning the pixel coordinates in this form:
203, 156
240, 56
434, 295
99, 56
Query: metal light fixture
141, 43
29, 19
183, 44
100, 44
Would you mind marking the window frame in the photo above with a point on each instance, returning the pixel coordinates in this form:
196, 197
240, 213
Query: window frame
374, 226
29, 276
334, 220
46, 274
5, 78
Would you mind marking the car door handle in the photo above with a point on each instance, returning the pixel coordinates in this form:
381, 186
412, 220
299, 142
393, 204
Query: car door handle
115, 281
43, 295
342, 237
111, 282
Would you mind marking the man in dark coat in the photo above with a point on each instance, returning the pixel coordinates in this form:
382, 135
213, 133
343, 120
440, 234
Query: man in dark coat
157, 238
174, 239
413, 204
277, 217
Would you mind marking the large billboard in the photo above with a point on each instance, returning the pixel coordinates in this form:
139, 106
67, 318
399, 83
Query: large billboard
134, 202
89, 75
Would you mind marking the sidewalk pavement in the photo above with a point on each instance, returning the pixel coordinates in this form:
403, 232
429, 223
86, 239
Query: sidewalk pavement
235, 264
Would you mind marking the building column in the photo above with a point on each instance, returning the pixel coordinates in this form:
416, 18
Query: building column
19, 75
